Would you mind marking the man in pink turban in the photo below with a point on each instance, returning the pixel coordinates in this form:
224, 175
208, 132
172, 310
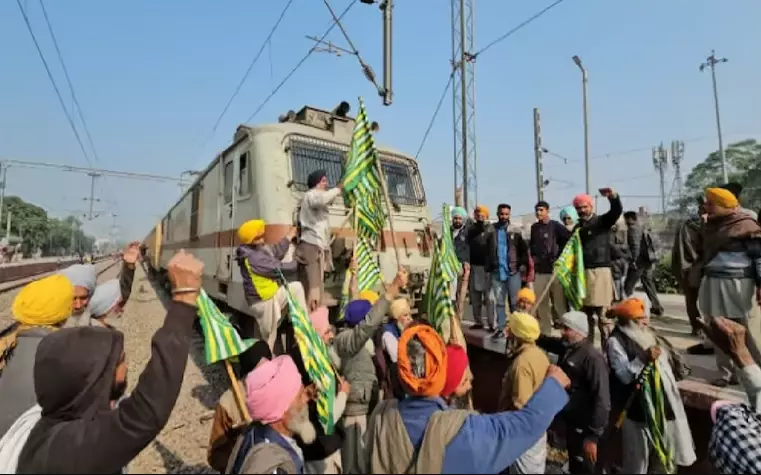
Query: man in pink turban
595, 233
278, 404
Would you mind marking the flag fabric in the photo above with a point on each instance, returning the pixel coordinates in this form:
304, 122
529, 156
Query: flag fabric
655, 417
450, 263
317, 362
362, 182
368, 272
438, 296
221, 339
569, 269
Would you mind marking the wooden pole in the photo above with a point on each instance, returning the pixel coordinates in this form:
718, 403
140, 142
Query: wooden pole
239, 400
463, 291
545, 293
390, 212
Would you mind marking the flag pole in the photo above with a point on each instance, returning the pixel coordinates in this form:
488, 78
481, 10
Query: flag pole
235, 386
545, 293
384, 186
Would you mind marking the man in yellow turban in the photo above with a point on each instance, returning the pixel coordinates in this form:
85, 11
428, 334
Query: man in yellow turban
39, 309
262, 269
528, 367
730, 285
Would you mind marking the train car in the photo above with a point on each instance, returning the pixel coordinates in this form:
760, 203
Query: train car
263, 175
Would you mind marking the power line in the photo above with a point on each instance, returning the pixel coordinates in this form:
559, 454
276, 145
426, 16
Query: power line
52, 81
97, 171
68, 81
300, 63
250, 68
435, 113
520, 26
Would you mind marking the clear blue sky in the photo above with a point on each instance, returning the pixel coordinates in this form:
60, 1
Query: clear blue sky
152, 77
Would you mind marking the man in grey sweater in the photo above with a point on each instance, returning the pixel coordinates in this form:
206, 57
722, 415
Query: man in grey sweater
354, 347
314, 239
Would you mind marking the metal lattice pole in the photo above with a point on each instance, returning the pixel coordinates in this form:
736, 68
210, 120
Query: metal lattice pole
464, 100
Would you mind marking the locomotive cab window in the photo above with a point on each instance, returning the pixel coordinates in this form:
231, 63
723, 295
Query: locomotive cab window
195, 206
309, 155
244, 176
228, 177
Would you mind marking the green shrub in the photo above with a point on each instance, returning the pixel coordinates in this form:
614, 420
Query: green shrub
665, 282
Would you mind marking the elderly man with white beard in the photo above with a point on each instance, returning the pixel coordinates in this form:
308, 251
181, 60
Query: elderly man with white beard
632, 346
278, 403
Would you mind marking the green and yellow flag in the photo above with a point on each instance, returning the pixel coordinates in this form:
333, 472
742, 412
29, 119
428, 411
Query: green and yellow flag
438, 296
221, 339
317, 363
361, 181
654, 406
569, 269
368, 271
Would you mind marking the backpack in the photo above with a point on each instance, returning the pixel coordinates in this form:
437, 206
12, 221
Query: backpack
648, 248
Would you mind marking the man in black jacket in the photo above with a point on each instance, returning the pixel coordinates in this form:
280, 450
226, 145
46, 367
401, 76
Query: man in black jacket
641, 259
80, 376
586, 414
548, 237
481, 241
594, 231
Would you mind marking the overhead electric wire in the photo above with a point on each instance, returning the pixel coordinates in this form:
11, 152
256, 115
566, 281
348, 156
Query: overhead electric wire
68, 81
52, 81
251, 67
520, 26
366, 69
435, 114
298, 65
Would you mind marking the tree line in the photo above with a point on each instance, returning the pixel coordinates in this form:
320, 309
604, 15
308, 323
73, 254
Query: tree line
36, 231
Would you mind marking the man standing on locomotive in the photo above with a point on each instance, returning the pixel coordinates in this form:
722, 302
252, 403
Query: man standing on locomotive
312, 252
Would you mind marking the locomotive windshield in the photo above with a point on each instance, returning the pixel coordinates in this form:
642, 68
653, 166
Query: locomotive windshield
309, 154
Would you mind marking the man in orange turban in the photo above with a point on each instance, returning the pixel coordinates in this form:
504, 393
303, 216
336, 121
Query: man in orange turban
632, 346
450, 440
481, 239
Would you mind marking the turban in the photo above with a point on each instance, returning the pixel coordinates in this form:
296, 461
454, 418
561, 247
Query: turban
483, 210
250, 231
319, 319
570, 212
435, 362
576, 321
315, 177
369, 295
82, 275
459, 211
735, 442
721, 197
527, 294
399, 307
523, 326
582, 200
631, 308
356, 311
46, 301
104, 298
457, 363
271, 388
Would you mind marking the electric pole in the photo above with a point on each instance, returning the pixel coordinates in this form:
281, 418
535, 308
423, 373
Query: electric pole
464, 101
677, 155
538, 156
711, 62
4, 172
92, 198
661, 163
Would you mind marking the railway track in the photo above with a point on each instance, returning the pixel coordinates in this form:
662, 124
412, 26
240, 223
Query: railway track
29, 272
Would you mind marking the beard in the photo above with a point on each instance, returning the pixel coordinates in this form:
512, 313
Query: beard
300, 425
640, 334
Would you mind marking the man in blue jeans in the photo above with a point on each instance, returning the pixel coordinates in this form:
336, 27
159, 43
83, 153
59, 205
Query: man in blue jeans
512, 254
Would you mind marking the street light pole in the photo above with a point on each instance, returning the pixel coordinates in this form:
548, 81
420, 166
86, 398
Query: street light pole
577, 60
711, 62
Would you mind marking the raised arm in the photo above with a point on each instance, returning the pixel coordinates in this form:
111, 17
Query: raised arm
609, 219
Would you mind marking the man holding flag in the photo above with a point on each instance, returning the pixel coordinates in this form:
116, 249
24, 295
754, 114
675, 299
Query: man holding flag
594, 232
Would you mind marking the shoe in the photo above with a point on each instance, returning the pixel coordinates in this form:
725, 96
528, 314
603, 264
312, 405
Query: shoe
699, 349
477, 326
658, 312
492, 329
497, 335
723, 382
